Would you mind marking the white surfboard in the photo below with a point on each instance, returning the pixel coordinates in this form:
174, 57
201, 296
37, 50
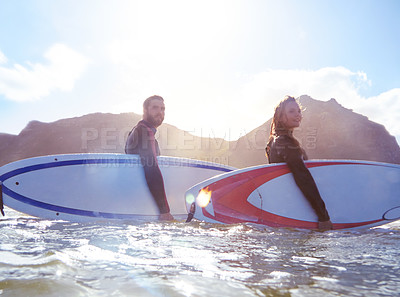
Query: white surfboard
356, 193
85, 187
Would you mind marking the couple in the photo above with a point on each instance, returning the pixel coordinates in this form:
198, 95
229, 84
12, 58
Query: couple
282, 147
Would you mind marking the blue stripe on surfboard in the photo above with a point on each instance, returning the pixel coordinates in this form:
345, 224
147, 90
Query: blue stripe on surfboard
68, 210
53, 164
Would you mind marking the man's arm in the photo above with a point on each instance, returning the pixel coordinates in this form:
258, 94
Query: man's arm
142, 142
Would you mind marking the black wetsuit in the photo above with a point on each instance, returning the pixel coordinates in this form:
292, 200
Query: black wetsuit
285, 149
141, 141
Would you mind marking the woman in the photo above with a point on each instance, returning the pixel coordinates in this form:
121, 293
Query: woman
283, 147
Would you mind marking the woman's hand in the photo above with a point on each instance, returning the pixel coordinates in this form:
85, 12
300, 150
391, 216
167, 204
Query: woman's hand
324, 226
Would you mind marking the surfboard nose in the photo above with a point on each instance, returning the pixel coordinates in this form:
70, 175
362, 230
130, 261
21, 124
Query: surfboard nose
392, 214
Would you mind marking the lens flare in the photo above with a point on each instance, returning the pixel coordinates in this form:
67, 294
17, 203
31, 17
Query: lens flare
203, 198
190, 198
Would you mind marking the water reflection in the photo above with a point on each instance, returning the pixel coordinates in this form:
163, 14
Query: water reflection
41, 257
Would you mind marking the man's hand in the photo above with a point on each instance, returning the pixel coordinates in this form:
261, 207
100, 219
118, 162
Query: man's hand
166, 217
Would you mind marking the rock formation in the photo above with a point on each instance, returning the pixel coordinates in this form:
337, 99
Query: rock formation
328, 131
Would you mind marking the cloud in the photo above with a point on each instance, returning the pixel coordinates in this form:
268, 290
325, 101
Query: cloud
254, 98
383, 109
266, 89
3, 58
231, 107
35, 81
322, 84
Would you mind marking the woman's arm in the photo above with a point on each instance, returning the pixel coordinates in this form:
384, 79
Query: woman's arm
306, 183
292, 155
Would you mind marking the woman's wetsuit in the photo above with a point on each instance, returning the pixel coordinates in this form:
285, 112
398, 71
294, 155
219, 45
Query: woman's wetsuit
141, 141
284, 148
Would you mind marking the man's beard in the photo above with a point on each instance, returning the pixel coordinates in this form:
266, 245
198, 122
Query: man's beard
155, 121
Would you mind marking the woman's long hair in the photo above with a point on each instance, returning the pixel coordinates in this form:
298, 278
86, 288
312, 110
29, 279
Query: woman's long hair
278, 126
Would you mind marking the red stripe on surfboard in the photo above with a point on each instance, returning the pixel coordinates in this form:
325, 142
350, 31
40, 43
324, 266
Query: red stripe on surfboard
229, 199
354, 225
229, 195
273, 220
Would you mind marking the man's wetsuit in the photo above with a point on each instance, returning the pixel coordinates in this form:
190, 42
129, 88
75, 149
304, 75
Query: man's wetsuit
141, 141
285, 149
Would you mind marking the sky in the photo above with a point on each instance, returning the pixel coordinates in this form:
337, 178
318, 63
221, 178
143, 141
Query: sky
221, 66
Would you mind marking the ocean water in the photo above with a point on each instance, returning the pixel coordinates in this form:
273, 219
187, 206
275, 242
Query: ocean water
54, 258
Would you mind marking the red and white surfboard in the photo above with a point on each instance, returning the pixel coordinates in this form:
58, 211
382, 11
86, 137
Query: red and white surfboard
357, 194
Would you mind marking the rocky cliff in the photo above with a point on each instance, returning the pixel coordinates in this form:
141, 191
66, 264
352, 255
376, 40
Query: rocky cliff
328, 131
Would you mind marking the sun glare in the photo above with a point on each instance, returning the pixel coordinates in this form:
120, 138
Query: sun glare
204, 197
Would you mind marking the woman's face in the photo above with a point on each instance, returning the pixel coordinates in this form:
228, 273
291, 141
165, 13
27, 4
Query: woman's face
292, 115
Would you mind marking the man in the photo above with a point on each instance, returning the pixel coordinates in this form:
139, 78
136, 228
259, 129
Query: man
141, 141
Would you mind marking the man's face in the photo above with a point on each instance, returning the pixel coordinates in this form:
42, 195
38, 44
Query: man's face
154, 113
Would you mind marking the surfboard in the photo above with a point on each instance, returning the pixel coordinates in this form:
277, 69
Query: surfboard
357, 194
87, 187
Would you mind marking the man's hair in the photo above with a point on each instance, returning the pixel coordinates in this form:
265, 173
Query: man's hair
147, 102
